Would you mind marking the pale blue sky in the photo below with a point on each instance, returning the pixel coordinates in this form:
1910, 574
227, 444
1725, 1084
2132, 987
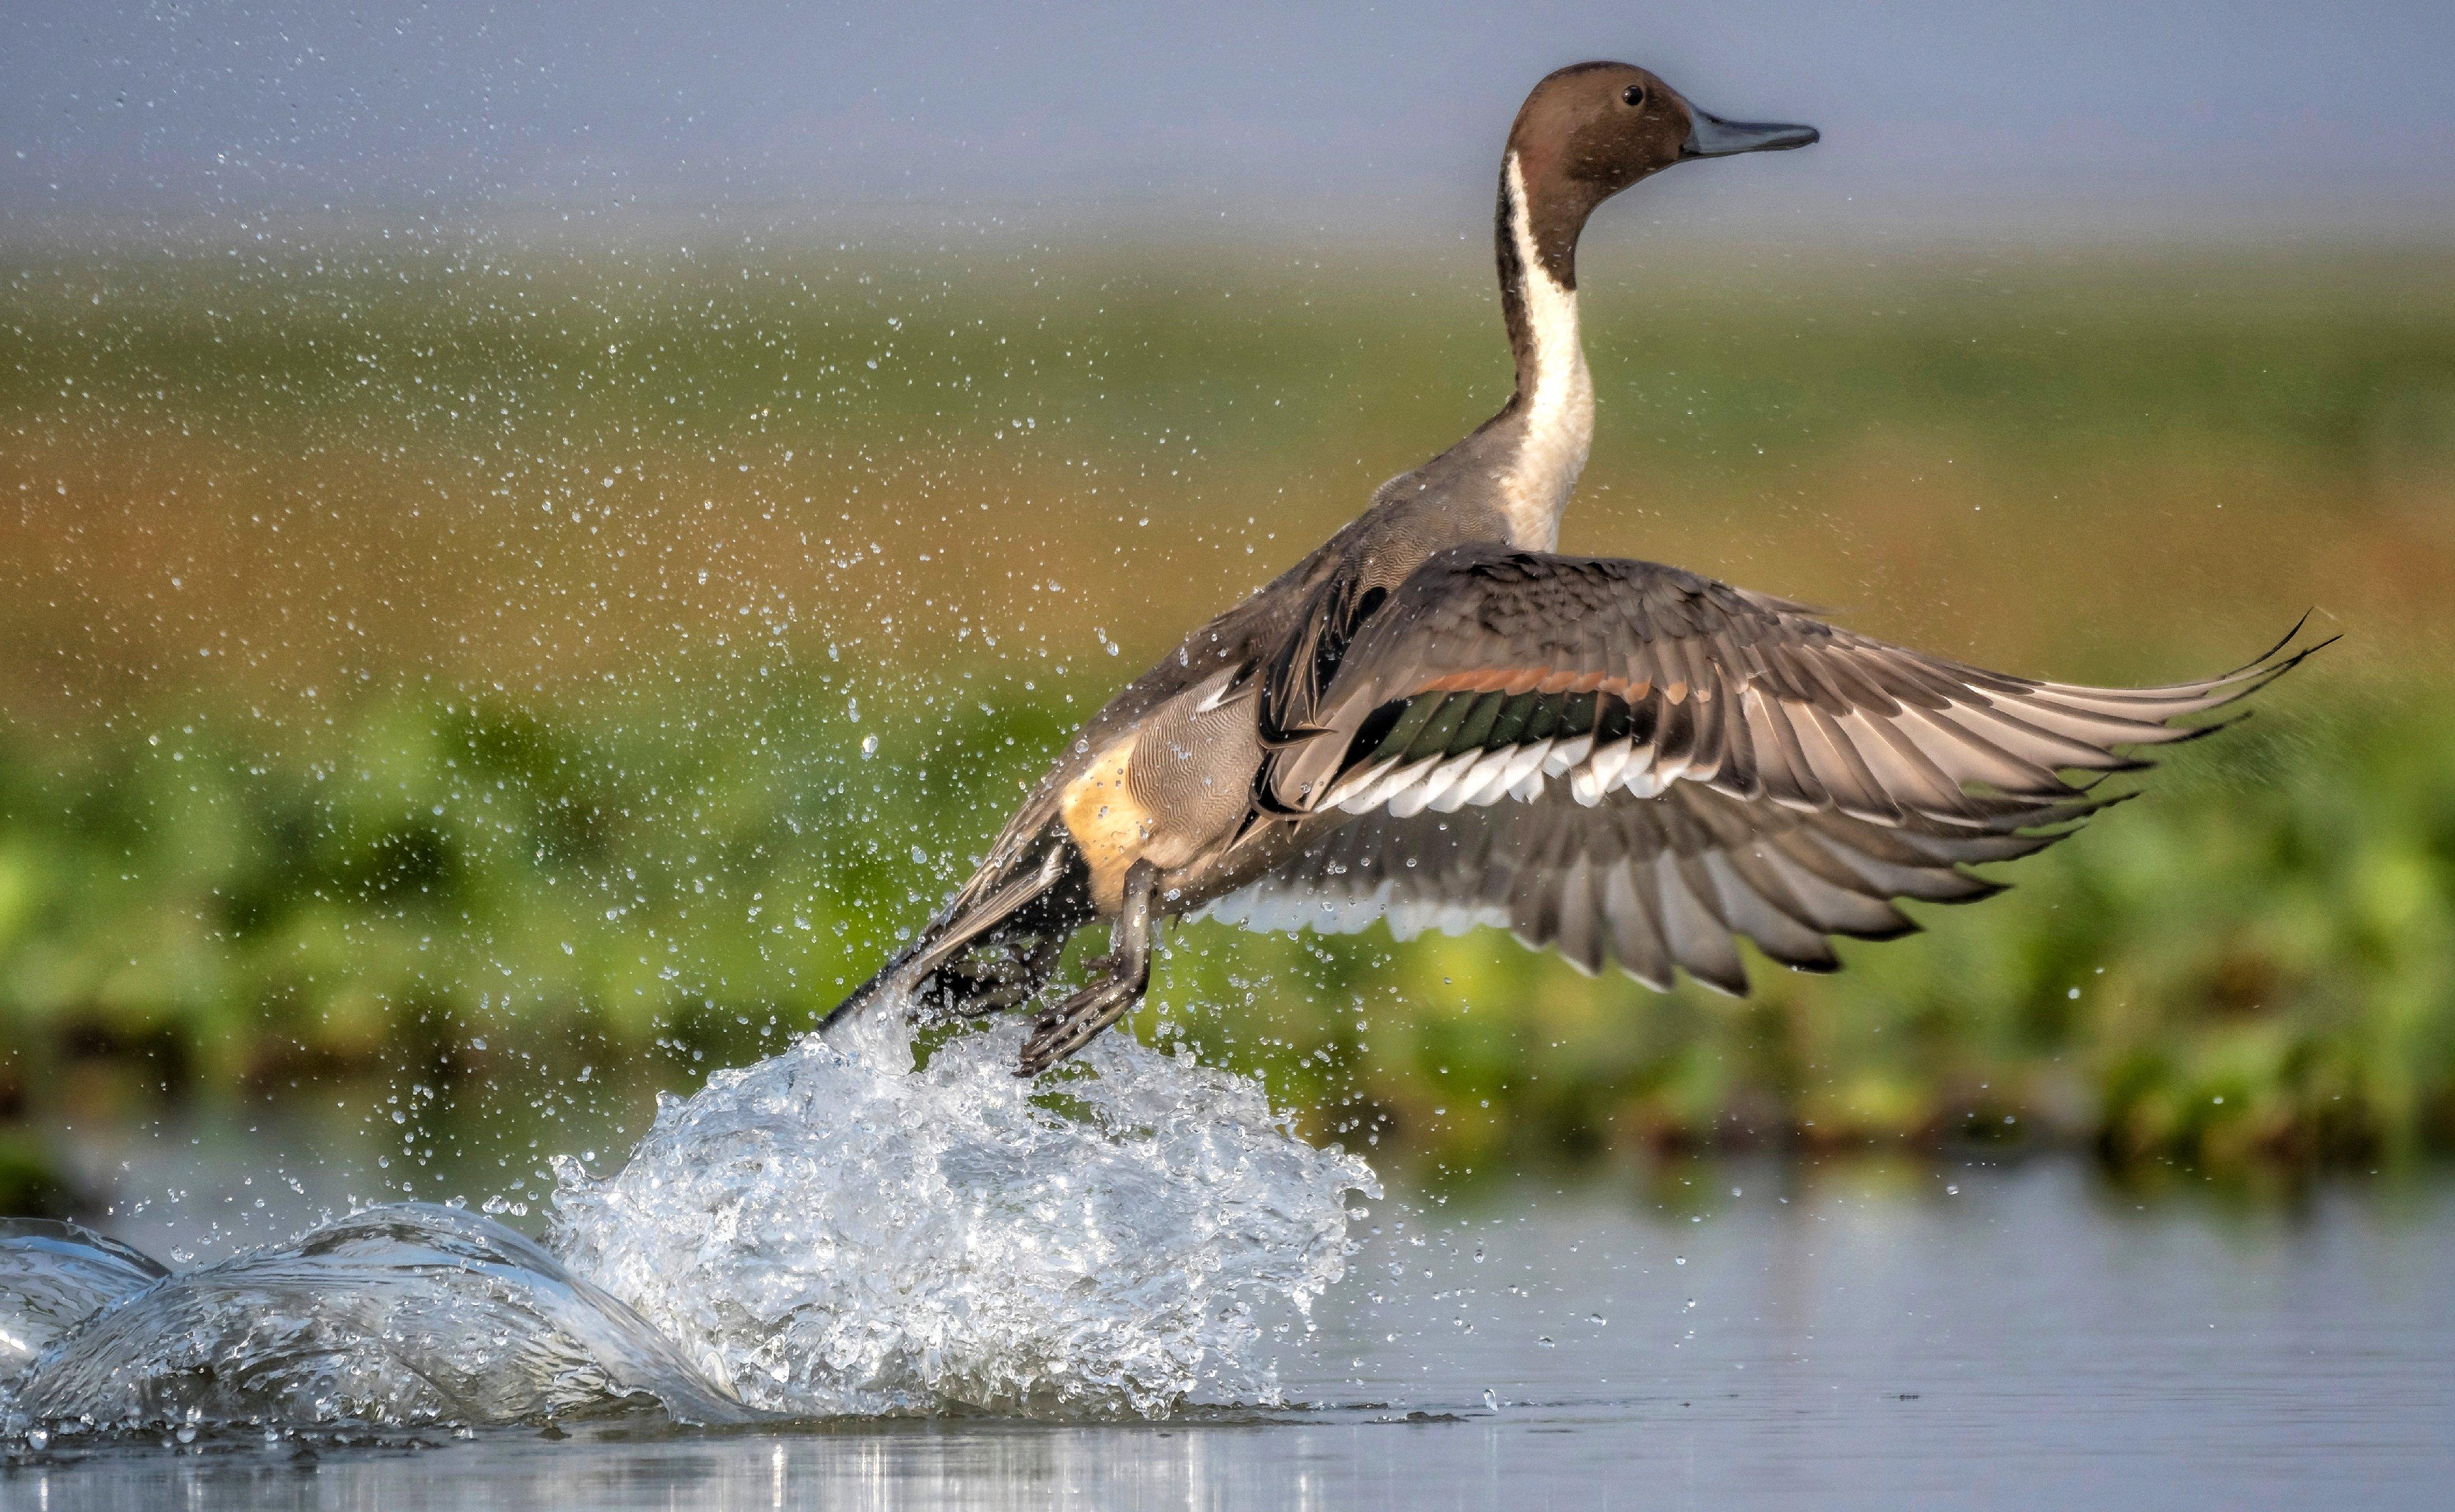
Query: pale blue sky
1341, 117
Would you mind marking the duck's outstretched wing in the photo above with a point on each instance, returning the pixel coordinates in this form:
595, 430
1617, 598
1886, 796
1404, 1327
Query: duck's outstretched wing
1650, 883
1630, 761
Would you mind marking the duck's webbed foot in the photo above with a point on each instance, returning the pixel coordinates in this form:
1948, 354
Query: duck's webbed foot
1007, 974
1119, 979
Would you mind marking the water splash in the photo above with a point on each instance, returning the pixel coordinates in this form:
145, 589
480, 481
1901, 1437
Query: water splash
398, 1315
53, 1276
828, 1231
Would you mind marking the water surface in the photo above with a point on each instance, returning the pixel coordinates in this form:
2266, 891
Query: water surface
831, 1278
1851, 1335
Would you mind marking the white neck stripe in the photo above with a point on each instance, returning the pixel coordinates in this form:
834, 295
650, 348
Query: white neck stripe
1557, 391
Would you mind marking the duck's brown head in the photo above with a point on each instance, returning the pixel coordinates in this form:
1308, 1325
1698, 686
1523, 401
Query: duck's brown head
1593, 129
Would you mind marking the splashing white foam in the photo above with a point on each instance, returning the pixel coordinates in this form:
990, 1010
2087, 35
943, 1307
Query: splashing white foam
53, 1276
398, 1315
830, 1232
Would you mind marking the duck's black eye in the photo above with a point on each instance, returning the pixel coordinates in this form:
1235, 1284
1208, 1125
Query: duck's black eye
1633, 95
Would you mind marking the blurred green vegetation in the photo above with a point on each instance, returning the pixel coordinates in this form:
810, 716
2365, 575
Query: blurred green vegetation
2252, 963
438, 656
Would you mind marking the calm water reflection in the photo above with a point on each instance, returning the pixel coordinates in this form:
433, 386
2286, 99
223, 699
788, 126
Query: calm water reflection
1731, 1335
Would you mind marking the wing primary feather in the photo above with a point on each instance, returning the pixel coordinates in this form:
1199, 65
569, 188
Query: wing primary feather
1581, 927
2036, 744
1906, 773
1699, 942
1840, 666
1737, 775
1926, 884
1853, 787
1804, 789
1970, 757
1636, 927
1534, 890
1775, 932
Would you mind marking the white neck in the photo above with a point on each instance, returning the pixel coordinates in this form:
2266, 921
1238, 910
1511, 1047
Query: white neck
1555, 391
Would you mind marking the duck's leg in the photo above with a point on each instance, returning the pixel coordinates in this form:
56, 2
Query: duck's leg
1014, 980
1123, 972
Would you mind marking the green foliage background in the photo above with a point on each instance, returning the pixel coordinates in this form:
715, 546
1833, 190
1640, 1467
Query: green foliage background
552, 648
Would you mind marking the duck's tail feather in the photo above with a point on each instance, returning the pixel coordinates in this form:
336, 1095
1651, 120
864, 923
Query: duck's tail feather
992, 947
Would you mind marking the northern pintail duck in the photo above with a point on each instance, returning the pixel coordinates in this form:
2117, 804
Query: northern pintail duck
1439, 721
